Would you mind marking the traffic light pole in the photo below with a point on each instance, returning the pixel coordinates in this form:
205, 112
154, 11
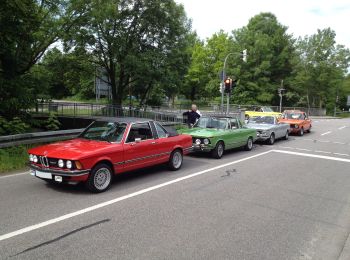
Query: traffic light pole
244, 55
228, 103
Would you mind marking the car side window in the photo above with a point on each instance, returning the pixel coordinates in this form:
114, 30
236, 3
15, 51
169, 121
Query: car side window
160, 130
139, 130
234, 124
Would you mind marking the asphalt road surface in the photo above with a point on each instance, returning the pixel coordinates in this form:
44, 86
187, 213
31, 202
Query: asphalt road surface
286, 201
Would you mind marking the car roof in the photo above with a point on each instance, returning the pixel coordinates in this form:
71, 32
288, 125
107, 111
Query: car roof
123, 119
293, 111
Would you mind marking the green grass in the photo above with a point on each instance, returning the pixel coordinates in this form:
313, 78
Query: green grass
13, 158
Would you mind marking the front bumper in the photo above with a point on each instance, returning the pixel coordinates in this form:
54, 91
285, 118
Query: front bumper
202, 148
262, 137
67, 176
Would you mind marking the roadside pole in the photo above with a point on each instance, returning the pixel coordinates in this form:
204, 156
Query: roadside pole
242, 54
228, 103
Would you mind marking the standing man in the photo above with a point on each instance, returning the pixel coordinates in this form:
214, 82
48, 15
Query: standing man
192, 115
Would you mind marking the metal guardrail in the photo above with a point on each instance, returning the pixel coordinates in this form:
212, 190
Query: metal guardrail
39, 137
43, 137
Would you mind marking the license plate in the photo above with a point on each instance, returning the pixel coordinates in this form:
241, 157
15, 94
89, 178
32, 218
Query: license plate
44, 175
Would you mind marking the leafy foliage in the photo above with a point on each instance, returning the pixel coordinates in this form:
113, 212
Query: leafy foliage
52, 122
14, 126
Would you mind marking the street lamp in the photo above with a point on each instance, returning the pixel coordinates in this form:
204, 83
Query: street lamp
242, 54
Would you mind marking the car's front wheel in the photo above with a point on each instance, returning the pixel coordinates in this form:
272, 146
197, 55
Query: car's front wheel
100, 178
249, 145
272, 139
218, 151
175, 160
301, 132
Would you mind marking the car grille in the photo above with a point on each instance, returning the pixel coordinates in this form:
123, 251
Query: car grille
47, 162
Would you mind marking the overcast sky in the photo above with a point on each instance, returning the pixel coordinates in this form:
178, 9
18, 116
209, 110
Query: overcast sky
302, 17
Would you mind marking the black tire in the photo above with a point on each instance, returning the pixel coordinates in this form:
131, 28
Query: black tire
218, 151
249, 145
286, 137
309, 130
301, 132
175, 160
100, 178
271, 139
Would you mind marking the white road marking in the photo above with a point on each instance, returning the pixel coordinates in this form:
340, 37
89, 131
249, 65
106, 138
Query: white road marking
342, 154
338, 143
340, 128
317, 151
302, 149
326, 133
128, 196
324, 141
13, 175
313, 156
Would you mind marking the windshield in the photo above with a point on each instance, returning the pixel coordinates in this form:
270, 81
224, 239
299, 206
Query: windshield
293, 116
212, 122
104, 131
262, 120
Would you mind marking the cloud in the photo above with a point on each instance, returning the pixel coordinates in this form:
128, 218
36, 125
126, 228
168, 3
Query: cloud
300, 16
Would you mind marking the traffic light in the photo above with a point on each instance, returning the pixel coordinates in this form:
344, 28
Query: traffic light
228, 85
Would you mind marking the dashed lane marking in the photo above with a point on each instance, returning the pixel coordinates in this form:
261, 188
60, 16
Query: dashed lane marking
302, 149
318, 151
326, 133
340, 128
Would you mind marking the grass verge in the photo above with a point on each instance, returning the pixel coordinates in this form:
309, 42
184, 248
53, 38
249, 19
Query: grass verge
14, 158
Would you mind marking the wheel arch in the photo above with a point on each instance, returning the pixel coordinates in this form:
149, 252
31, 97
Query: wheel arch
105, 161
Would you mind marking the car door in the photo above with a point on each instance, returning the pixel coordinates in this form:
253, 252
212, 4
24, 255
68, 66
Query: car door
139, 147
163, 143
236, 135
308, 121
280, 128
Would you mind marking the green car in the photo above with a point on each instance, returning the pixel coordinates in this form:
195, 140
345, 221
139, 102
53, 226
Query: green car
217, 134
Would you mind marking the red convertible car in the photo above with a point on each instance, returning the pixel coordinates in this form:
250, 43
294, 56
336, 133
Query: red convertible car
106, 148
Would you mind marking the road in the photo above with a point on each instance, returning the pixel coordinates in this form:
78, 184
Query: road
286, 201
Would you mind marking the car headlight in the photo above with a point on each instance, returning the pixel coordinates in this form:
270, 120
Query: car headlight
198, 141
69, 164
206, 141
30, 157
35, 158
60, 163
296, 126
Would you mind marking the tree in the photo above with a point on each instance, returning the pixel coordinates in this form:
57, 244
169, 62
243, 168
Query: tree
270, 51
320, 68
28, 28
132, 39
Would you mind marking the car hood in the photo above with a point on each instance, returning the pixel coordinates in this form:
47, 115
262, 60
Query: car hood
291, 121
203, 132
74, 149
260, 126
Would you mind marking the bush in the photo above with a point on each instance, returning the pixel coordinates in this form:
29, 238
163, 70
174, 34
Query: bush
14, 126
53, 123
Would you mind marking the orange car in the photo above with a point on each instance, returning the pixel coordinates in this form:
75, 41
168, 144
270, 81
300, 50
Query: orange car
298, 121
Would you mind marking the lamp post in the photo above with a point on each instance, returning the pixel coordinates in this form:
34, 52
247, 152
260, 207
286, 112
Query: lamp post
243, 54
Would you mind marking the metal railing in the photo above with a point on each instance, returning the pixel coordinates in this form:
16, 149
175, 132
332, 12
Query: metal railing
100, 110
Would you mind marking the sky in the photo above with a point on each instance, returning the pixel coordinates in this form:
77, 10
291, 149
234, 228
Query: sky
302, 17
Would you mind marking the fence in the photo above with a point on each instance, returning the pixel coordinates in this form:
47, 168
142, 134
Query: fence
99, 110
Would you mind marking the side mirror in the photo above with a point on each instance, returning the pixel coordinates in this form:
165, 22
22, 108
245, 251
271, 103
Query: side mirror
137, 140
166, 135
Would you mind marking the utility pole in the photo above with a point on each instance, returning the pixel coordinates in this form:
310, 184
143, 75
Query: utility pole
336, 101
280, 93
